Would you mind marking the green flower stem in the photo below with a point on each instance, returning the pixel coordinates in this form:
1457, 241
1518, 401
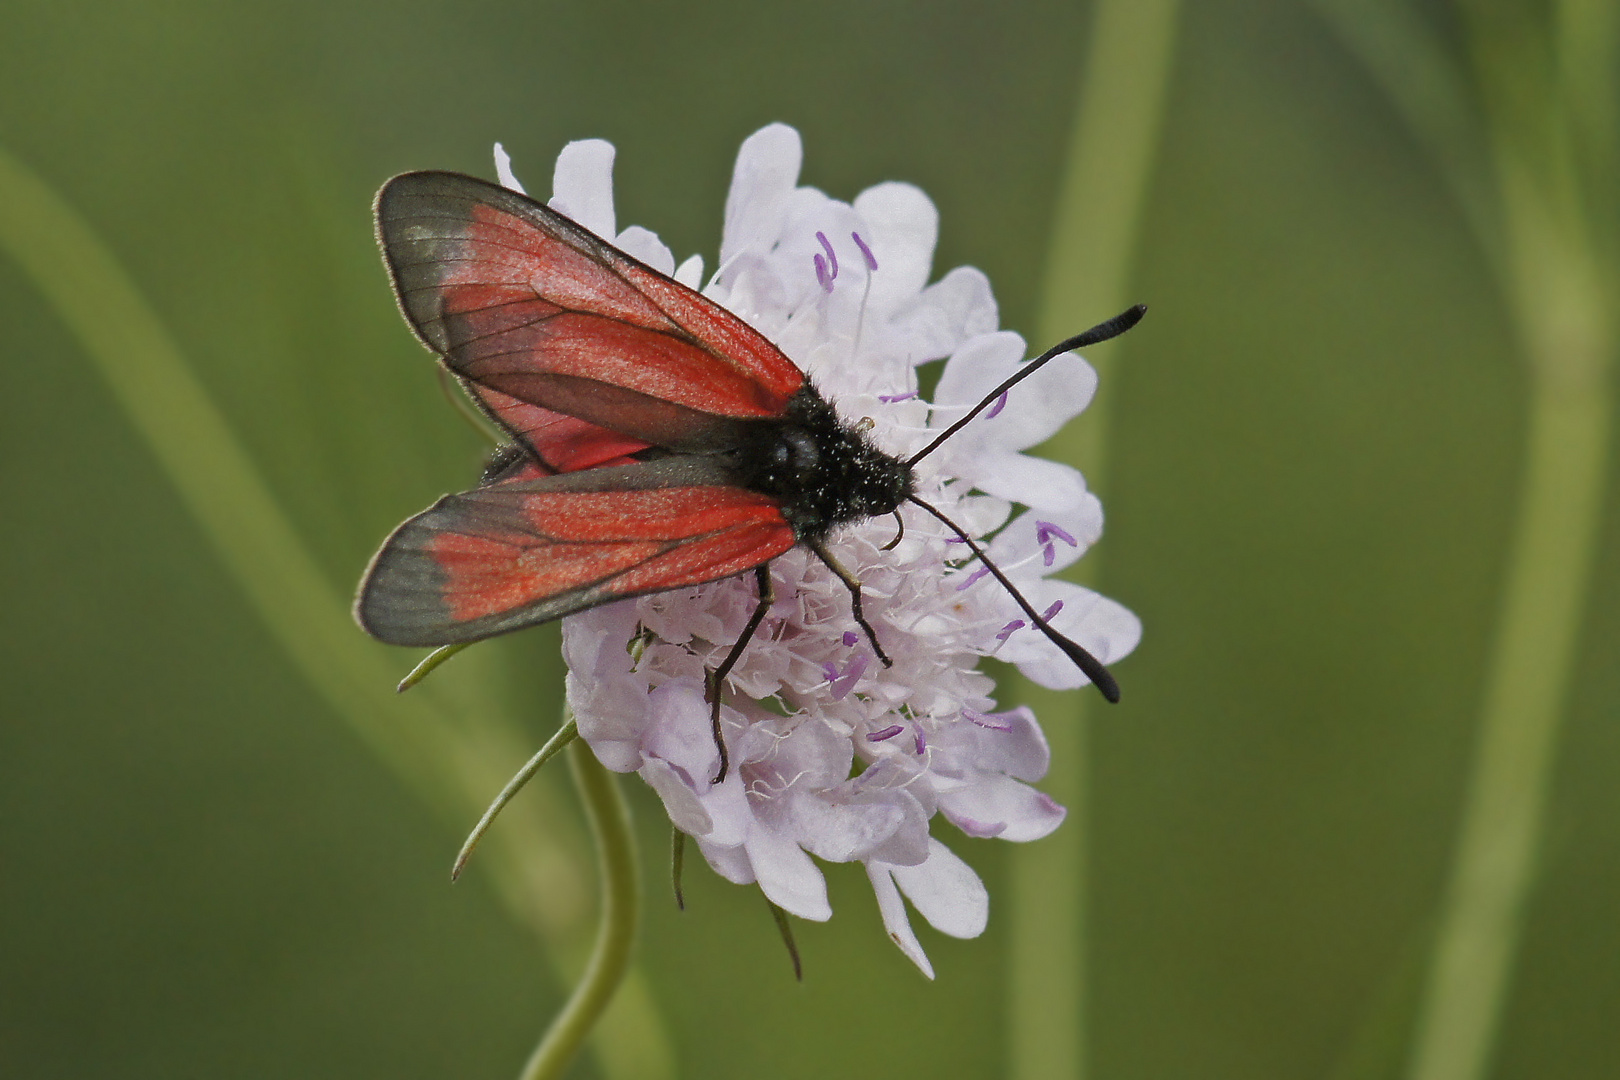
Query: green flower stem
1112, 147
450, 756
621, 892
1525, 698
1556, 289
1558, 278
1522, 126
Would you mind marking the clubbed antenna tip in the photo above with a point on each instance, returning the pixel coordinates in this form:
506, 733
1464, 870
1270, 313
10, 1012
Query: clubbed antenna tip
1103, 331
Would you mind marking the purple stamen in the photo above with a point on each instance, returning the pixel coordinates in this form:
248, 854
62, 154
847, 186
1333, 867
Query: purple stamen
975, 576
866, 252
1001, 403
984, 721
886, 733
1051, 612
955, 540
890, 399
850, 638
830, 670
842, 685
832, 256
920, 742
822, 275
1007, 631
1045, 532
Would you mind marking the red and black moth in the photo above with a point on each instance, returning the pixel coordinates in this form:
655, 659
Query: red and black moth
657, 440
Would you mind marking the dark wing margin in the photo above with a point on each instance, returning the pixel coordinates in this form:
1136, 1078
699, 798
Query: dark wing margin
519, 552
523, 302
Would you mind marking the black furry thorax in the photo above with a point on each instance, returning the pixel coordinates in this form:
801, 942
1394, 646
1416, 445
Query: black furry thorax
822, 470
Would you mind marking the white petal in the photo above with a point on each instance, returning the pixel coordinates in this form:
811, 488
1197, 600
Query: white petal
1044, 402
975, 369
1035, 409
608, 701
1021, 539
839, 832
678, 730
645, 245
1108, 630
1021, 751
730, 862
956, 307
728, 807
1022, 812
787, 875
901, 229
946, 892
1101, 626
1010, 743
766, 171
503, 170
690, 272
680, 801
895, 920
1036, 482
582, 185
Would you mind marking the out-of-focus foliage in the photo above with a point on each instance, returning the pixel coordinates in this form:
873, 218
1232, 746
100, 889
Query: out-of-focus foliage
1314, 449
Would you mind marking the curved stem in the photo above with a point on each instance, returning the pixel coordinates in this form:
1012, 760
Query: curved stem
554, 746
621, 888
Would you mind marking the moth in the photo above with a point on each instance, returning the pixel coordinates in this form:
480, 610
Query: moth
657, 441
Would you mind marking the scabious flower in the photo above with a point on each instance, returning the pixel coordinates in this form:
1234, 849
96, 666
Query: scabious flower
833, 755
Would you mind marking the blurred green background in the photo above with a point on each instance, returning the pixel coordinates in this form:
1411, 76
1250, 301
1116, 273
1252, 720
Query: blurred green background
1315, 447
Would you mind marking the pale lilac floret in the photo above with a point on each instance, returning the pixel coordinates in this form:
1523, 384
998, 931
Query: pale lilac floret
832, 779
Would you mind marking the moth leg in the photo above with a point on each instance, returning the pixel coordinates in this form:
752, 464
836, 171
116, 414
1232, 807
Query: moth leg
899, 533
854, 587
715, 678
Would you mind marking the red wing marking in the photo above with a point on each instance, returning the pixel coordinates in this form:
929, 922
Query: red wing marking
563, 443
525, 302
516, 553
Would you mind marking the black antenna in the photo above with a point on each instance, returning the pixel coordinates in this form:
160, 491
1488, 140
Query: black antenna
1094, 669
1099, 333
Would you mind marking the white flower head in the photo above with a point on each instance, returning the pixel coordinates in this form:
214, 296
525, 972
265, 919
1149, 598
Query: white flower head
833, 755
